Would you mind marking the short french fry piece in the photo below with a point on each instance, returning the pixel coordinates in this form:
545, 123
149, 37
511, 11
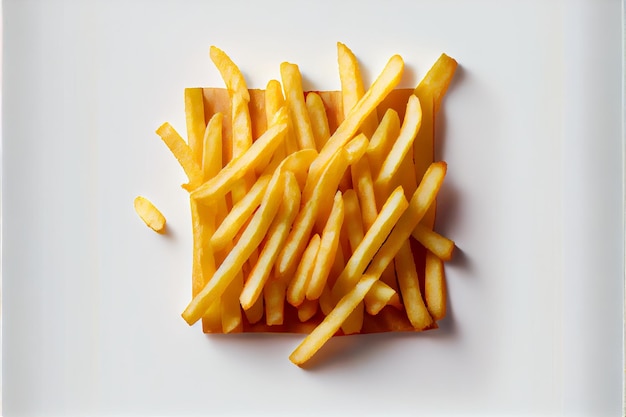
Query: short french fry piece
435, 286
410, 288
212, 147
328, 248
150, 215
194, 116
332, 322
296, 291
307, 309
382, 86
439, 245
276, 236
274, 298
239, 214
437, 80
319, 120
183, 153
235, 170
231, 310
378, 297
392, 211
364, 187
250, 239
294, 96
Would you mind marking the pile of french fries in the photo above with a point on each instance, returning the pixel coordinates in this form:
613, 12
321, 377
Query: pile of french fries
313, 212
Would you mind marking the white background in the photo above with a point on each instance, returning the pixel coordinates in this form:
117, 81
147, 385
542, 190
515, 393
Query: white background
531, 130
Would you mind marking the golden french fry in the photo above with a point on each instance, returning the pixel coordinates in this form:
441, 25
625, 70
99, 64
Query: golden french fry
400, 148
307, 309
392, 210
356, 148
353, 224
318, 118
326, 300
150, 215
212, 147
378, 297
328, 248
352, 86
203, 265
232, 76
435, 286
230, 309
382, 140
239, 214
183, 153
437, 80
274, 298
439, 245
294, 96
276, 236
332, 322
235, 170
312, 197
410, 288
296, 291
364, 187
250, 239
382, 86
274, 100
194, 116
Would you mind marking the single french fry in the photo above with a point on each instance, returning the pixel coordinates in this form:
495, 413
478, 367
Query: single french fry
212, 147
250, 239
364, 186
194, 116
354, 322
274, 298
294, 97
395, 205
439, 245
331, 323
352, 86
276, 236
435, 286
382, 140
410, 288
231, 310
203, 261
318, 118
235, 170
329, 243
353, 224
326, 300
378, 297
239, 214
382, 86
400, 148
232, 76
296, 291
212, 319
150, 215
312, 197
183, 153
437, 80
307, 309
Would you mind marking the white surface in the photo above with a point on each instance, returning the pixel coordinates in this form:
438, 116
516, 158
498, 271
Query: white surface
533, 198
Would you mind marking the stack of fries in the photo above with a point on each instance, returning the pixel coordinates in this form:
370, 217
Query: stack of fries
313, 212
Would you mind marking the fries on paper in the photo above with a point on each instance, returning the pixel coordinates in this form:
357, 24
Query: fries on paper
313, 212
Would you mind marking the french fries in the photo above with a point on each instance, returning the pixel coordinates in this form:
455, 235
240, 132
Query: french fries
273, 250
